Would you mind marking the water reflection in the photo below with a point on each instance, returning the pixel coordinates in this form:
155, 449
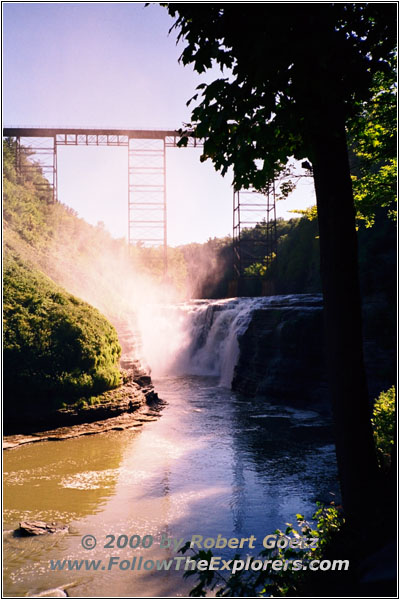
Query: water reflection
214, 463
54, 480
289, 448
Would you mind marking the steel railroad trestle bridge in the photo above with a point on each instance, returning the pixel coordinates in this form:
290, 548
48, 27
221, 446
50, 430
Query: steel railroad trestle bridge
147, 193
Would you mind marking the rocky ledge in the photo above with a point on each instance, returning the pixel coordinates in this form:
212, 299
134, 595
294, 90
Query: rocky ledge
126, 407
282, 353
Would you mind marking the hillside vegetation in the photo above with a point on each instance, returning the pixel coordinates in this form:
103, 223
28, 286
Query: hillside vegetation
57, 348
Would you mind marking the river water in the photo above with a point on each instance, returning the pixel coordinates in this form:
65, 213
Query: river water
214, 463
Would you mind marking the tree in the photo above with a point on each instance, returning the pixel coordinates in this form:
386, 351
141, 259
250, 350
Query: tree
373, 155
296, 74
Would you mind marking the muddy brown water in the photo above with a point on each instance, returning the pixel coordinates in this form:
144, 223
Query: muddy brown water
214, 463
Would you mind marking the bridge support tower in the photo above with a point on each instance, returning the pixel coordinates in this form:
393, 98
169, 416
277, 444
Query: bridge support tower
254, 233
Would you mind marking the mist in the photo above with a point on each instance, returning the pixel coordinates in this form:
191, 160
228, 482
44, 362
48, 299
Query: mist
117, 280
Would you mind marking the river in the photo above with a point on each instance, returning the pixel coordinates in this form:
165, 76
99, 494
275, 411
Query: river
214, 463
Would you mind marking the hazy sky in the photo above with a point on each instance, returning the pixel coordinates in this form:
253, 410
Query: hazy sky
111, 65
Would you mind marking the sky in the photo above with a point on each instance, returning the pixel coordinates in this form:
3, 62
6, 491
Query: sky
115, 65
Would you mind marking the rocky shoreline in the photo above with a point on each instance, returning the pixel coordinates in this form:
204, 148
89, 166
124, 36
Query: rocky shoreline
126, 407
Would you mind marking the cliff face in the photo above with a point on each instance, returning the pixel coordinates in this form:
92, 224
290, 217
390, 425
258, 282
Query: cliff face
282, 354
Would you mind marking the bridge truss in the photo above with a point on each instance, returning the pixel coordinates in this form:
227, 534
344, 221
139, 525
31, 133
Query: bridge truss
254, 231
147, 193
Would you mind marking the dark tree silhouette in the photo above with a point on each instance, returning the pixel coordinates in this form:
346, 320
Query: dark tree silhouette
293, 77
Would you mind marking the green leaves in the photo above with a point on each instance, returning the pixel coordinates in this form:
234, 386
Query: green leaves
284, 68
269, 582
373, 142
384, 425
55, 346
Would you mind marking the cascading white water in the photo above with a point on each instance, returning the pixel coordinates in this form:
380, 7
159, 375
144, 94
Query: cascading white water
200, 337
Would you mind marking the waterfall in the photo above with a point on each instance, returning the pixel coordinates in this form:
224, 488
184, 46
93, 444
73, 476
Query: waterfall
201, 337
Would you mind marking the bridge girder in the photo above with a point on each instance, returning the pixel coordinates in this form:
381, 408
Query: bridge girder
147, 194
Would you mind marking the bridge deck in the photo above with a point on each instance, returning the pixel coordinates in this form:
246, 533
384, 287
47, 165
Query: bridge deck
51, 132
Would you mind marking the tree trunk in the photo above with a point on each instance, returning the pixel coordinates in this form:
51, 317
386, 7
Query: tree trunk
355, 449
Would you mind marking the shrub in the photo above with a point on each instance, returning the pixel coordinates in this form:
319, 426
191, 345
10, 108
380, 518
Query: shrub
384, 423
55, 346
270, 583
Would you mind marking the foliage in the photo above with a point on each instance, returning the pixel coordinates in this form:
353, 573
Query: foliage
377, 255
150, 260
271, 101
26, 210
271, 583
260, 269
209, 267
373, 152
311, 212
69, 246
384, 425
55, 346
373, 143
296, 269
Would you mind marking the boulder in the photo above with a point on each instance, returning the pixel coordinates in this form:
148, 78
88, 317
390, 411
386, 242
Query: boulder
41, 527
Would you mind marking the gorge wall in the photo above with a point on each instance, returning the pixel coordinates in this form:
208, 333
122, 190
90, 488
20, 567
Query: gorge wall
282, 352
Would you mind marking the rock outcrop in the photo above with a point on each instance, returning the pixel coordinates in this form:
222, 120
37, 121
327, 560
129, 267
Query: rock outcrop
127, 398
282, 354
40, 528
